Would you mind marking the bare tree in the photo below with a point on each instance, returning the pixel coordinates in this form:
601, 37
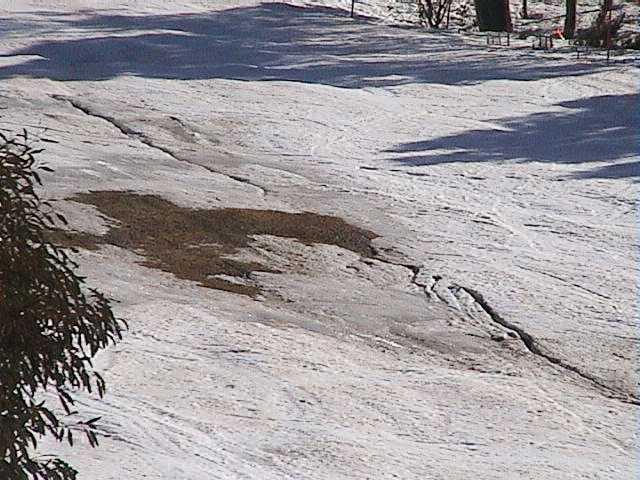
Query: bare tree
433, 12
604, 28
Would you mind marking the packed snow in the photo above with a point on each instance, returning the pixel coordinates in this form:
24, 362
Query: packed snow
492, 335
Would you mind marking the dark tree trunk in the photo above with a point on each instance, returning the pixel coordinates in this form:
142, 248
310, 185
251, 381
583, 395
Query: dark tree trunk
570, 19
493, 15
525, 13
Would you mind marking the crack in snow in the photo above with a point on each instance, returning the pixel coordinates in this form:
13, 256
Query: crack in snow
533, 346
144, 139
530, 343
431, 289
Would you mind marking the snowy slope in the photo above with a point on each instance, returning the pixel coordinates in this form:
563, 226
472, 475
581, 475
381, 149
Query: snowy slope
493, 335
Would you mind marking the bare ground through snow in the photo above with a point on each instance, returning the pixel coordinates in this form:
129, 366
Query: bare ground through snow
492, 331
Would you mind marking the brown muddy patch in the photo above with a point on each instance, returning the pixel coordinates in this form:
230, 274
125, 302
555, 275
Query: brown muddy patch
192, 244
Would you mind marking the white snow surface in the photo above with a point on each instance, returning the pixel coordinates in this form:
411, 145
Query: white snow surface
502, 171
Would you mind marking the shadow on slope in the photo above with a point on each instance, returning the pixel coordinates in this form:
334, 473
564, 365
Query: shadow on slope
618, 170
595, 129
270, 42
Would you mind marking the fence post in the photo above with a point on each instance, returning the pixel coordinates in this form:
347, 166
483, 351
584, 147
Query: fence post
353, 4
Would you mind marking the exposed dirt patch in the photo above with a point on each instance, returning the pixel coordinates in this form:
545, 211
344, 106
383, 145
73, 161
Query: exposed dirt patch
192, 244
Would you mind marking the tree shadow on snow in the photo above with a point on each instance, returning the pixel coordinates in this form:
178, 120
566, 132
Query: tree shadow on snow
595, 129
617, 170
270, 42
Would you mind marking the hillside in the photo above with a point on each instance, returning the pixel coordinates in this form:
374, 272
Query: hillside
345, 250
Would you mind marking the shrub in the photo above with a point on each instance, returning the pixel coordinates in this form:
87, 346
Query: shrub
51, 326
602, 30
433, 12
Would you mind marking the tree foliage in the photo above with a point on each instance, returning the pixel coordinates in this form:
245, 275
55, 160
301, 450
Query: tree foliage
51, 326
